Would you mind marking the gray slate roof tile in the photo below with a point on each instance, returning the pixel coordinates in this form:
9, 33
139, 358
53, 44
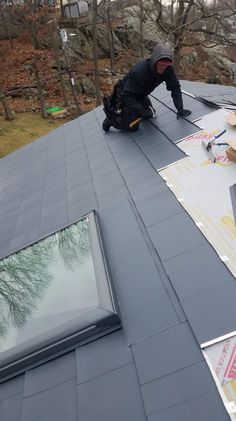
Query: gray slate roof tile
102, 170
10, 408
50, 374
12, 387
106, 200
81, 208
152, 138
208, 316
148, 189
135, 174
205, 407
24, 239
164, 119
114, 396
5, 242
188, 281
178, 387
53, 219
101, 357
162, 206
9, 205
179, 129
175, 348
215, 93
159, 148
174, 236
27, 222
167, 158
80, 192
54, 404
7, 225
77, 177
130, 265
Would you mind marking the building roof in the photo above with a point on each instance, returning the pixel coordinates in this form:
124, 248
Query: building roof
170, 283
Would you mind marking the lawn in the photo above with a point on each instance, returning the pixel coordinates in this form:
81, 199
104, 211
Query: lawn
24, 129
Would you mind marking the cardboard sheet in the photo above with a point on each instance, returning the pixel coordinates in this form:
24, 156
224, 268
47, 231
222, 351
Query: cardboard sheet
202, 187
231, 118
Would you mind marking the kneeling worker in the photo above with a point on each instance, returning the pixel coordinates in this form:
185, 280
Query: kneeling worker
129, 102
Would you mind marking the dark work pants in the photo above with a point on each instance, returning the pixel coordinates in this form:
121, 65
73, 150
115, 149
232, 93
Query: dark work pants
128, 116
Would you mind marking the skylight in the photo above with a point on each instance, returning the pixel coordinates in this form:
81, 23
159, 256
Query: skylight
53, 294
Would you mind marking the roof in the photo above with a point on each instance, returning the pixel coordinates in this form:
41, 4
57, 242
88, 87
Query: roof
170, 292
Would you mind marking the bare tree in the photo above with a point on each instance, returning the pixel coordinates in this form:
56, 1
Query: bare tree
8, 114
55, 42
95, 51
31, 14
5, 23
39, 88
107, 18
178, 19
141, 28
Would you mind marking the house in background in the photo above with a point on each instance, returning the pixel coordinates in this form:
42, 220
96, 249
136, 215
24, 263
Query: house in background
114, 289
74, 9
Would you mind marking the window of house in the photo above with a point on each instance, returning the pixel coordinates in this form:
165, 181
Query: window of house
221, 358
54, 294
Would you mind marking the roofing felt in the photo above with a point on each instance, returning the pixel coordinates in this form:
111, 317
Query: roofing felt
166, 276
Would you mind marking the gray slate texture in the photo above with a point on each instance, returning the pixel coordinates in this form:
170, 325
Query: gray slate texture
168, 280
211, 92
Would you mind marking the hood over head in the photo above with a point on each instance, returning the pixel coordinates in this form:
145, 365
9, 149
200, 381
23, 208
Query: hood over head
160, 51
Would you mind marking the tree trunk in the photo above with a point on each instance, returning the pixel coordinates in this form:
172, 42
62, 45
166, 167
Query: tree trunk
62, 8
72, 80
33, 31
141, 28
177, 58
6, 29
95, 53
57, 59
39, 88
178, 35
8, 114
110, 37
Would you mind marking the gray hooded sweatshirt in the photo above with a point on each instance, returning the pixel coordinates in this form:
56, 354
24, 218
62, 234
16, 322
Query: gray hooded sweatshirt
143, 79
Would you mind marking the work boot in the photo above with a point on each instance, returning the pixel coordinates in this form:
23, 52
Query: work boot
106, 125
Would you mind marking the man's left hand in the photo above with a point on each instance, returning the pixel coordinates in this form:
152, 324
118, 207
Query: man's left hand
183, 113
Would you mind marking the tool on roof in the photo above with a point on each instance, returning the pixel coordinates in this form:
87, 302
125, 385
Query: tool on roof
135, 122
207, 146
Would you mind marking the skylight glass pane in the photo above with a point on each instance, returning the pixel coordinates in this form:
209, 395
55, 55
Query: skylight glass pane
46, 285
221, 358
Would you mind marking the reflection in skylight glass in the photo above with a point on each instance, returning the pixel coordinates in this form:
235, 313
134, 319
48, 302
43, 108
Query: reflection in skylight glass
46, 284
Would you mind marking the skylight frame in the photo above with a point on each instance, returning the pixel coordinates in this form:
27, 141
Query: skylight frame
76, 332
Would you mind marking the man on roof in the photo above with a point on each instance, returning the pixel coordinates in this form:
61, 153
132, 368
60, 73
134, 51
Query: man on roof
129, 102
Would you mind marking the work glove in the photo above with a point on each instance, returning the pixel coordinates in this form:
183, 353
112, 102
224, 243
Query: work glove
183, 113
